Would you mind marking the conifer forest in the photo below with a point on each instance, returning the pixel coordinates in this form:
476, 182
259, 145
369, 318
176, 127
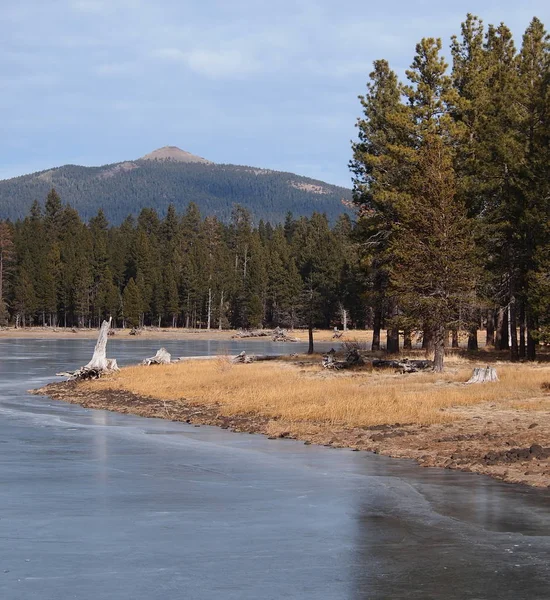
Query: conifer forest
451, 192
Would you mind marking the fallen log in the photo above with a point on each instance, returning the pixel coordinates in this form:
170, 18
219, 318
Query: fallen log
99, 364
404, 366
162, 357
483, 375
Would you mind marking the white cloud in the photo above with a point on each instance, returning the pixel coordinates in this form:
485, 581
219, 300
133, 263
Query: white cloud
211, 63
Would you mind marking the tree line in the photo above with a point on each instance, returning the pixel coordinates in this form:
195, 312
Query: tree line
178, 271
451, 175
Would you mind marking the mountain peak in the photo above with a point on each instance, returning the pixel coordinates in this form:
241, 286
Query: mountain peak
175, 154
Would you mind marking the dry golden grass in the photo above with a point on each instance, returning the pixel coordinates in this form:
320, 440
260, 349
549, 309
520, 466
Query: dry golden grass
295, 393
327, 335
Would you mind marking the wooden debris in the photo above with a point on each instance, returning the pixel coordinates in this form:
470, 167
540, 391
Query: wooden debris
162, 357
135, 331
483, 375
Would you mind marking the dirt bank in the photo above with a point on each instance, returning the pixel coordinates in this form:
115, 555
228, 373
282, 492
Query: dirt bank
500, 440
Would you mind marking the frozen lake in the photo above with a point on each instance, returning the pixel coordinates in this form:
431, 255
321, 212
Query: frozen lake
102, 506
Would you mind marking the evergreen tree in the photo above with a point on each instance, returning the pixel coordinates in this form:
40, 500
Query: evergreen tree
7, 256
132, 306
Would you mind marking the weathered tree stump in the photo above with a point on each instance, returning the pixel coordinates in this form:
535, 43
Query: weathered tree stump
162, 357
99, 364
242, 358
483, 375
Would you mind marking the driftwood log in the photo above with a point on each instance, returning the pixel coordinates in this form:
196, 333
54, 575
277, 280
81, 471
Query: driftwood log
483, 375
162, 357
99, 364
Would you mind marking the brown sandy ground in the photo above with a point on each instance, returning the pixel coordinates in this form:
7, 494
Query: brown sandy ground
506, 434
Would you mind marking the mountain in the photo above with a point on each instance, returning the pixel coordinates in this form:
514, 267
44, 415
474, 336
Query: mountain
171, 175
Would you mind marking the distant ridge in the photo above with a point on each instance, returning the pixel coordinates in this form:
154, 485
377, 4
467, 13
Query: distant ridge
176, 154
170, 175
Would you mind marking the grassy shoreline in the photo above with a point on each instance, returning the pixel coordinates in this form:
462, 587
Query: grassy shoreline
434, 419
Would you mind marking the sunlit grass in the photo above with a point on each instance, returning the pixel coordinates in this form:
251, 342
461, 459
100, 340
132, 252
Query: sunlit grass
295, 393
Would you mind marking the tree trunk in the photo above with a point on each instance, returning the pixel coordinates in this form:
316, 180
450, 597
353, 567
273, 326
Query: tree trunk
392, 340
376, 327
531, 343
427, 339
490, 337
522, 331
220, 321
472, 338
513, 330
439, 348
407, 340
501, 339
209, 308
310, 336
454, 338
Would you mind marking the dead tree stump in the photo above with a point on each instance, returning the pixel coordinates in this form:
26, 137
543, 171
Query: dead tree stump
162, 357
483, 375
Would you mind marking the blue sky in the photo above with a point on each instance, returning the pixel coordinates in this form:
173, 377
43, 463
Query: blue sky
269, 84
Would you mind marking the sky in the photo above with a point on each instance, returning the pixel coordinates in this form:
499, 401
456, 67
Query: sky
267, 84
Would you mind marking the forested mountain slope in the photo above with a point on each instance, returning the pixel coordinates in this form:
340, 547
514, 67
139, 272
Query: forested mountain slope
171, 176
